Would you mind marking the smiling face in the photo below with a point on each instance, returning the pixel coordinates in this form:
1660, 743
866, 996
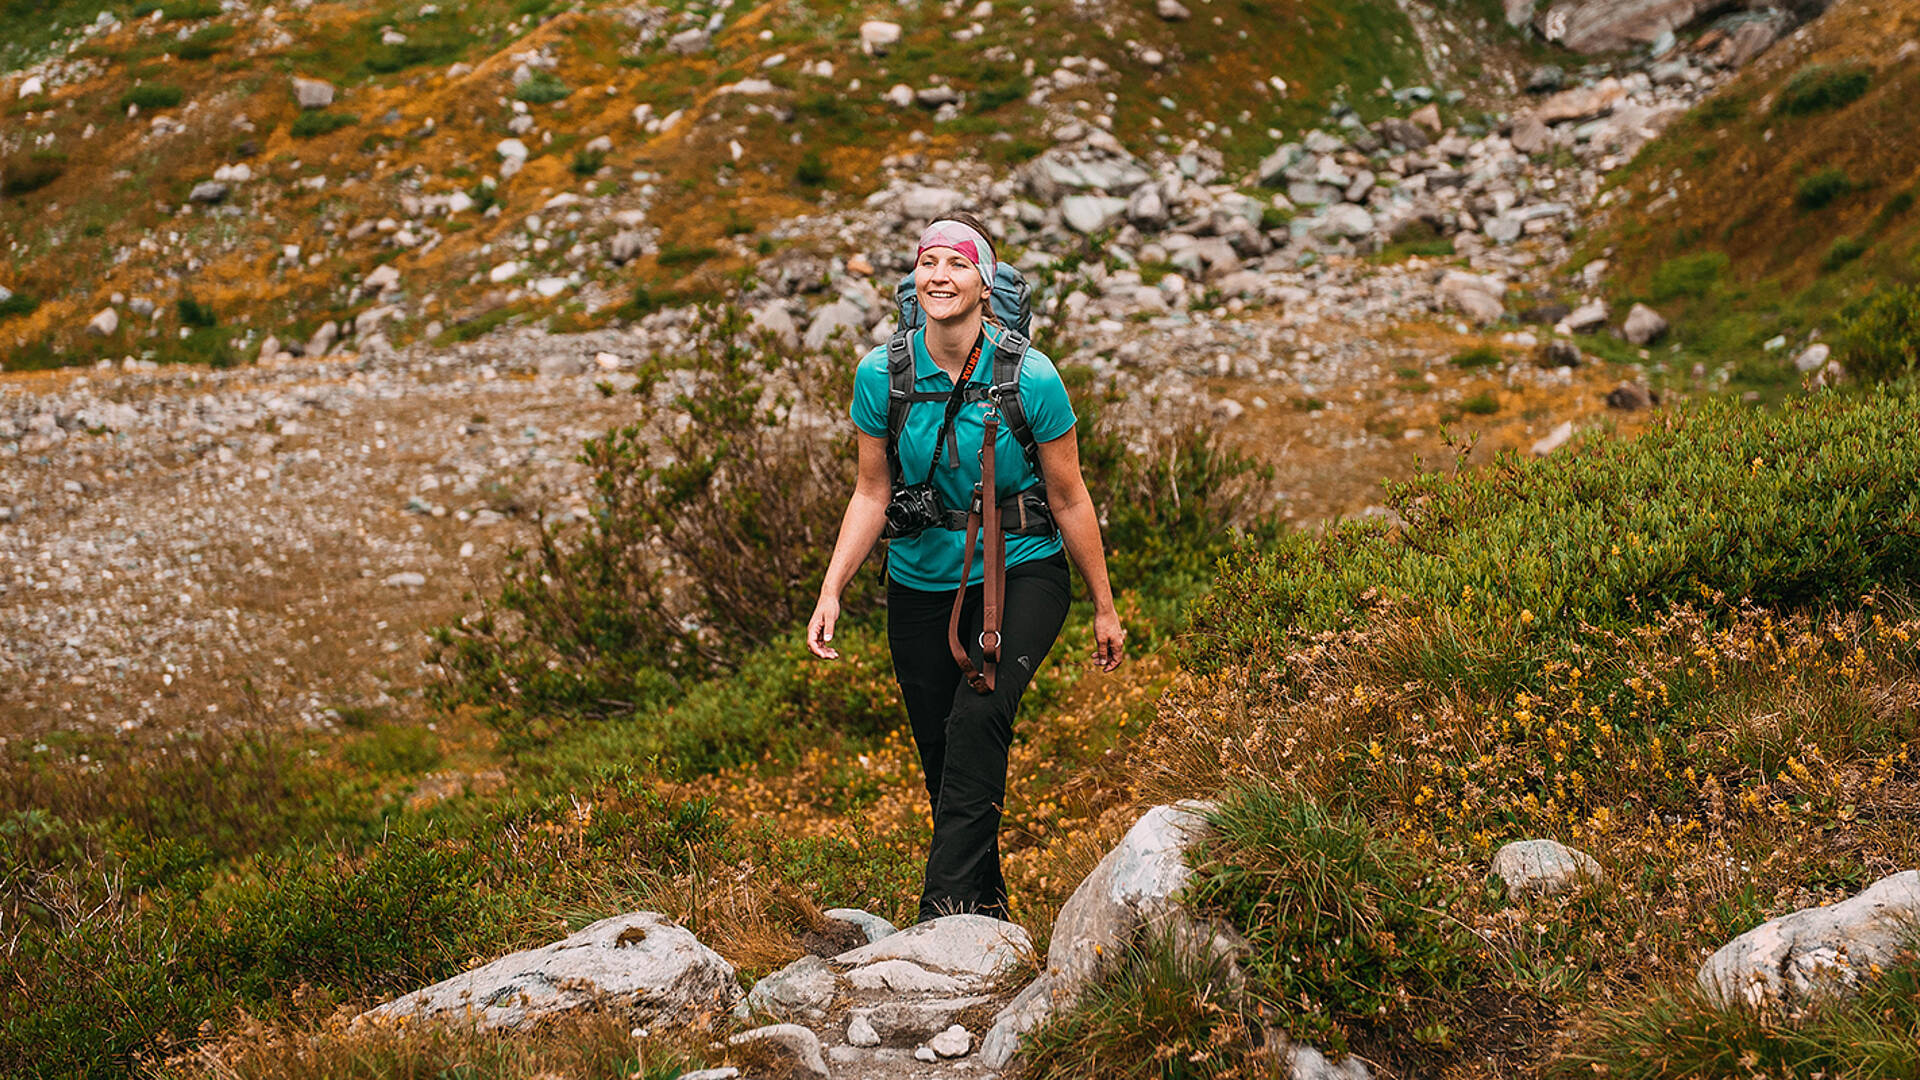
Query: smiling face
948, 284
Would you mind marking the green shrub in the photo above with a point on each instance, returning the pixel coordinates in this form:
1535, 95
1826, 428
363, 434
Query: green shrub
542, 88
1895, 207
193, 313
1003, 92
150, 96
1811, 505
1348, 928
1480, 356
676, 254
1687, 276
27, 173
1844, 250
1822, 87
1173, 495
587, 162
706, 544
1483, 403
1883, 341
18, 304
812, 170
1818, 190
206, 42
310, 125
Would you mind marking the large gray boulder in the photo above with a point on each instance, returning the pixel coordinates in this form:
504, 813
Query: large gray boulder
1814, 951
1644, 326
1476, 297
1133, 889
842, 318
312, 93
1091, 213
641, 965
921, 203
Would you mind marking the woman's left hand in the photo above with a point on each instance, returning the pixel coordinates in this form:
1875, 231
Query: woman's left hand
1107, 640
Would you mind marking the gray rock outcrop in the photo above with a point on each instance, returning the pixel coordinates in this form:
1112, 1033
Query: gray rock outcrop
640, 964
1133, 888
1791, 960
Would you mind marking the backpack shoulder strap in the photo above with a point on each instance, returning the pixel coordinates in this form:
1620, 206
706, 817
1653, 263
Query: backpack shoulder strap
1008, 354
899, 396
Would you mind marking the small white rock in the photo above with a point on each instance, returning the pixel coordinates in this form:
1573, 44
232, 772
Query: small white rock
952, 1043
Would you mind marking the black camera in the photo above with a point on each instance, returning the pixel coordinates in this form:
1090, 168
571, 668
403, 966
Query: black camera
914, 509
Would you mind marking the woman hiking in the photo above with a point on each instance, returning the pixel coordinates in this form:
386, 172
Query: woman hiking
966, 628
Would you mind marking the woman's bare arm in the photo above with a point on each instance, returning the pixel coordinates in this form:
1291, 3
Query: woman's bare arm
859, 530
1079, 526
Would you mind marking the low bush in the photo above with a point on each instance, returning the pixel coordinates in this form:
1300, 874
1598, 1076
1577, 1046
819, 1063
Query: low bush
709, 536
1349, 929
18, 303
587, 162
812, 170
1883, 342
310, 125
1480, 356
1844, 250
1687, 276
1823, 87
1484, 403
27, 173
149, 96
1805, 506
676, 254
1818, 190
542, 88
205, 42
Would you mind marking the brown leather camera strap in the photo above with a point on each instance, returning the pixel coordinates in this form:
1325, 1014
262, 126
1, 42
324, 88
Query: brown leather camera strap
983, 516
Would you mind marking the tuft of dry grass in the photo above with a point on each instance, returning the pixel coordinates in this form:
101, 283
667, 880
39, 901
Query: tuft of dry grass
577, 1045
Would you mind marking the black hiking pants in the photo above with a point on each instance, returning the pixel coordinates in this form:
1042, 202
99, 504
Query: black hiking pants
962, 734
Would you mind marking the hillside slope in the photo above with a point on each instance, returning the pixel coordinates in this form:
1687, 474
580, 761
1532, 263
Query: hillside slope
161, 157
1783, 201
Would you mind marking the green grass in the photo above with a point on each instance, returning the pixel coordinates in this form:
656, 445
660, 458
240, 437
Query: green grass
1348, 927
1687, 276
18, 304
309, 125
206, 42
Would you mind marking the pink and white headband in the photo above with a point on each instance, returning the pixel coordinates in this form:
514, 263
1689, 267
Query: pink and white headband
963, 239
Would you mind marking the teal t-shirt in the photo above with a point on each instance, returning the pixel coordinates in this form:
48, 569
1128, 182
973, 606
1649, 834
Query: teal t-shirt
931, 561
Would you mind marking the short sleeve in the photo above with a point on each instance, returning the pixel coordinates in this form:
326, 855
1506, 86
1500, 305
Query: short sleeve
1044, 396
869, 410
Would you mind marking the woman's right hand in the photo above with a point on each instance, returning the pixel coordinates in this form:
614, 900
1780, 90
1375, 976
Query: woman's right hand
820, 628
